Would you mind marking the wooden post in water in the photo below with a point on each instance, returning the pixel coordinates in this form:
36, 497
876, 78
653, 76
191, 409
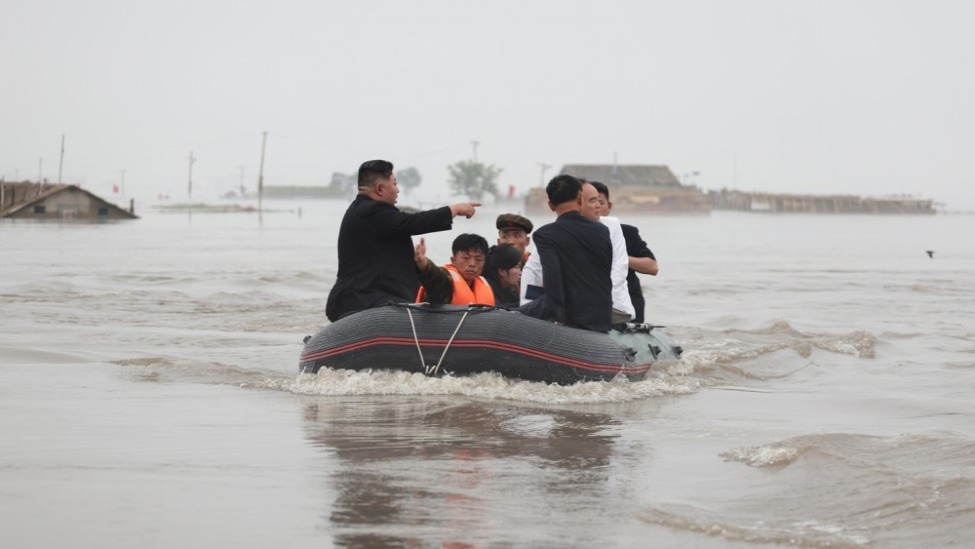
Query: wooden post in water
190, 183
61, 163
260, 176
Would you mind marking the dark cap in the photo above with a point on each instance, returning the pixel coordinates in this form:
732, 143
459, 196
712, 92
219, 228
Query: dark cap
514, 221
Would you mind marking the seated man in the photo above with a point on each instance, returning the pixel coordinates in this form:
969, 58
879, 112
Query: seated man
639, 257
623, 310
458, 282
514, 229
574, 257
503, 272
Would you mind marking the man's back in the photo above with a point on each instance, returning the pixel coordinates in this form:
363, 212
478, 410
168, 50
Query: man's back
576, 256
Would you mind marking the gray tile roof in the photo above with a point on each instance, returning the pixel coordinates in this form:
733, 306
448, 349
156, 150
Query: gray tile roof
20, 196
625, 175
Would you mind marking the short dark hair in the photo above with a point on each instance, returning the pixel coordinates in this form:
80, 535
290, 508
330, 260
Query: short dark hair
563, 188
372, 171
502, 256
601, 188
467, 242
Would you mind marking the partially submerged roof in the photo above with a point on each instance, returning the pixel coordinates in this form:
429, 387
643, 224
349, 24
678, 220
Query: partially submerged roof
18, 197
625, 175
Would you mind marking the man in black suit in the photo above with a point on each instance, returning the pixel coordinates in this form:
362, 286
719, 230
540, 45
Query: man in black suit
576, 257
375, 244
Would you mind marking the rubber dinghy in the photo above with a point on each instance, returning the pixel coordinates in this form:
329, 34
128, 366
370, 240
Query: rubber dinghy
439, 339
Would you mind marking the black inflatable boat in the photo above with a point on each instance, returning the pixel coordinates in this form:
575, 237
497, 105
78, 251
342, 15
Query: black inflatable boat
441, 339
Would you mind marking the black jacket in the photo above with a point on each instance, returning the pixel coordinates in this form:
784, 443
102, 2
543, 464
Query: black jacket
635, 247
376, 255
503, 297
577, 258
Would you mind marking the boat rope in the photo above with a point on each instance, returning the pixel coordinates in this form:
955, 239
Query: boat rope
430, 369
409, 312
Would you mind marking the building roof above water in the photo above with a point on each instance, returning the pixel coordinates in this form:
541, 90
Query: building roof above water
17, 197
624, 175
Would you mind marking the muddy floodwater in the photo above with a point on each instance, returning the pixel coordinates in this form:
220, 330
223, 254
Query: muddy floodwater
149, 396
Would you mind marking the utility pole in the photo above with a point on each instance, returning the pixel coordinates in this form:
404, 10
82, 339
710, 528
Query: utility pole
544, 167
734, 171
241, 181
61, 164
475, 144
190, 187
260, 175
40, 170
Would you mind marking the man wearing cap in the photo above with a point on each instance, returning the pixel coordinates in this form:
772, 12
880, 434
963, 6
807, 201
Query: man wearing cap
514, 229
375, 245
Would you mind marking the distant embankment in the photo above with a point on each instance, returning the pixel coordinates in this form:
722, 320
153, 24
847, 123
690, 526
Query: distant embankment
295, 191
824, 204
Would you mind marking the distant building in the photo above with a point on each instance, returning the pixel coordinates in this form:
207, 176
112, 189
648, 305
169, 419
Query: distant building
634, 189
44, 201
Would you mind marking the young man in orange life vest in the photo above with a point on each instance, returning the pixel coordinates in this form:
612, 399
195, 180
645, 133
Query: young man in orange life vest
458, 282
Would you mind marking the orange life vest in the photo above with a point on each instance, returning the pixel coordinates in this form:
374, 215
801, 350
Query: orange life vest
463, 293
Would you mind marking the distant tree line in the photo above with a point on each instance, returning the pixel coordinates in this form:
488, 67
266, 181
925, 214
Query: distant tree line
407, 178
473, 179
468, 178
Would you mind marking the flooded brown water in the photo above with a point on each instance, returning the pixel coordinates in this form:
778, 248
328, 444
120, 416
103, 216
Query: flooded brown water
149, 396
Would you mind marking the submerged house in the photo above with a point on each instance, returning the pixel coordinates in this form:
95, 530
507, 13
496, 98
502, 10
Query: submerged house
634, 188
46, 201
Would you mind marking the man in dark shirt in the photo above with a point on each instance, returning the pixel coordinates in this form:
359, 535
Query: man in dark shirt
637, 249
576, 257
641, 259
375, 244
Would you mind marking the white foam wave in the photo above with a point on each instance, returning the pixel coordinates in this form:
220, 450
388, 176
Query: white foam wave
714, 357
330, 382
799, 533
859, 344
762, 456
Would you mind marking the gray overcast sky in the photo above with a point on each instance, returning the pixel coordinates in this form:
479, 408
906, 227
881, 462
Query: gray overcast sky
861, 97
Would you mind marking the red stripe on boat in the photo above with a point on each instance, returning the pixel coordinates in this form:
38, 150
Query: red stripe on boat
476, 343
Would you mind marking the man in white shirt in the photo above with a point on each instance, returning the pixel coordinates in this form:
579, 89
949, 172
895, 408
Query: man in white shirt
641, 258
623, 310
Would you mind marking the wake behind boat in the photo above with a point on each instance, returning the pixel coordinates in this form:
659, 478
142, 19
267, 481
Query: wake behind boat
458, 340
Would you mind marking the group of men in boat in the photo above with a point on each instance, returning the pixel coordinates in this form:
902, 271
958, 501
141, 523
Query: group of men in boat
583, 273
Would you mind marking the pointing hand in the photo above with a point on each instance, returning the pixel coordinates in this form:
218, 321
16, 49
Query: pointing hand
465, 209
